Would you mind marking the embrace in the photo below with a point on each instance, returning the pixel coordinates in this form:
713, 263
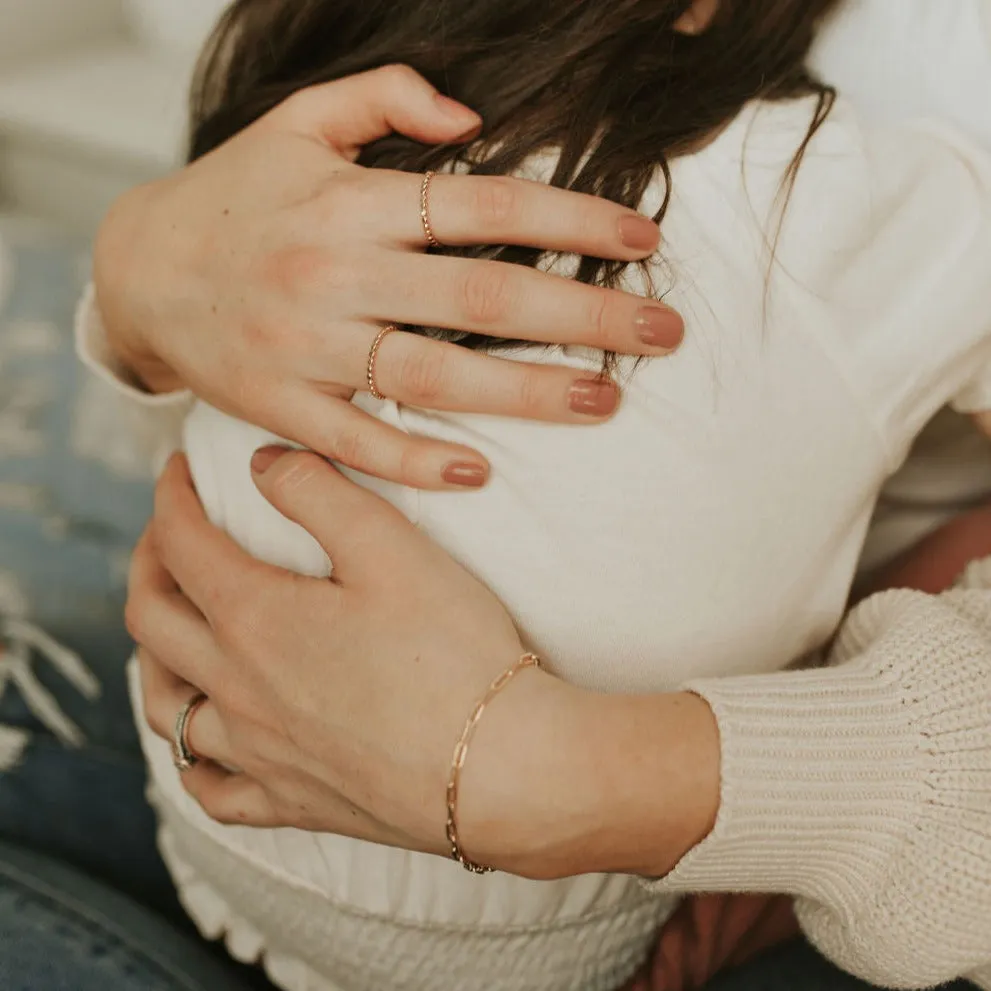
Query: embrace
538, 368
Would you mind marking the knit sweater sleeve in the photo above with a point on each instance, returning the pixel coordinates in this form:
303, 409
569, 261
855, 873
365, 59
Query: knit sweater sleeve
863, 788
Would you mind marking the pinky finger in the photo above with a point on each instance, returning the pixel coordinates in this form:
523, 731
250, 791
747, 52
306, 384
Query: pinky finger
347, 435
230, 798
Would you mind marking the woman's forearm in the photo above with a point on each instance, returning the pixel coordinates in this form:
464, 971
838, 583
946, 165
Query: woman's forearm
861, 790
597, 783
125, 299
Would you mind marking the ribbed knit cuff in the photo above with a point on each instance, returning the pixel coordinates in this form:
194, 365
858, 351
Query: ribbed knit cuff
863, 789
94, 351
819, 774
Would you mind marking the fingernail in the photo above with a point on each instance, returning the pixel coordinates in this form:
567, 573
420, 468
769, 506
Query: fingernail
639, 233
659, 327
459, 112
265, 457
465, 473
593, 397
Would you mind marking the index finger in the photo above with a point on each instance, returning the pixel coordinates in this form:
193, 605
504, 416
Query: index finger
208, 566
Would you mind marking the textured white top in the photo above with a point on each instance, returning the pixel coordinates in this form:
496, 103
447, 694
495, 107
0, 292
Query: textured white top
710, 529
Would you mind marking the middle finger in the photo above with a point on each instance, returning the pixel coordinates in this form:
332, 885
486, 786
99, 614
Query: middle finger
499, 299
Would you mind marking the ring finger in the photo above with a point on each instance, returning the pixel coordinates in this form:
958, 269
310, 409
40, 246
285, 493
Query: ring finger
418, 371
164, 696
465, 210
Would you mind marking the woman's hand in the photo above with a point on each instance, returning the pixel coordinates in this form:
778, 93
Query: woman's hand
260, 275
341, 701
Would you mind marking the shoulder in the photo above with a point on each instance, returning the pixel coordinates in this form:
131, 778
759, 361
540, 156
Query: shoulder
879, 249
903, 59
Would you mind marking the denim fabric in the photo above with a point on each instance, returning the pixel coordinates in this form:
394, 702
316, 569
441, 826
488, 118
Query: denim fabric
71, 506
74, 495
61, 931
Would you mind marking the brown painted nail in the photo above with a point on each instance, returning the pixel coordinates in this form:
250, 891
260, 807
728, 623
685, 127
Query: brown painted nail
659, 327
465, 473
265, 457
639, 233
593, 397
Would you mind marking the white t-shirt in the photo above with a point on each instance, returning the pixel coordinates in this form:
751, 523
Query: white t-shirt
901, 60
711, 528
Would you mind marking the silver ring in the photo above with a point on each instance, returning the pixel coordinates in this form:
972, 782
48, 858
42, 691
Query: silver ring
182, 756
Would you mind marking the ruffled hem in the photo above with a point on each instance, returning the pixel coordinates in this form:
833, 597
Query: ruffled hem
311, 943
217, 920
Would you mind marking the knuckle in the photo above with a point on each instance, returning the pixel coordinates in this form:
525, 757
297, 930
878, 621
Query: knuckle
497, 202
412, 460
297, 268
351, 448
600, 320
154, 714
529, 394
422, 374
241, 629
219, 810
160, 726
300, 101
136, 617
486, 295
397, 77
133, 619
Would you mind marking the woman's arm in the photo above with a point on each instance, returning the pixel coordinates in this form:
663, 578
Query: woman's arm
259, 276
710, 933
531, 803
862, 788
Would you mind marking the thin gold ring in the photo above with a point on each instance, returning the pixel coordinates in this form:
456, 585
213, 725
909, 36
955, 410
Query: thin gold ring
182, 756
428, 231
373, 355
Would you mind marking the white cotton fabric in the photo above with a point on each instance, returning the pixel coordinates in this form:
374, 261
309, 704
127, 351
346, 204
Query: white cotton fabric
902, 60
711, 529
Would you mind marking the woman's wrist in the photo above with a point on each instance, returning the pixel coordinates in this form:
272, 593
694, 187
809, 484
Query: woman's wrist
117, 278
563, 781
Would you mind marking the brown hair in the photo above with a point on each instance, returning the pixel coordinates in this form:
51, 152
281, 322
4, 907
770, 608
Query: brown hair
608, 83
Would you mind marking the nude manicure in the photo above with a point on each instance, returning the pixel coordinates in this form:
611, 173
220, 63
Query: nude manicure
465, 473
658, 327
639, 233
593, 397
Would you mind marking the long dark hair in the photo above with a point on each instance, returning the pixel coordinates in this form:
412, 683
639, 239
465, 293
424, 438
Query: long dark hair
608, 83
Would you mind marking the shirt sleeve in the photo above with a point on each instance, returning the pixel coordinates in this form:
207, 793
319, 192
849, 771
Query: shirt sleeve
154, 421
864, 789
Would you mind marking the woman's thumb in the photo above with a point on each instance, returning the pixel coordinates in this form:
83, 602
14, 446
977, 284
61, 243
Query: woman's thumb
349, 113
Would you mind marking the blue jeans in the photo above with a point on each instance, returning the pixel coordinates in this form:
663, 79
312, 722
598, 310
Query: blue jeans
60, 931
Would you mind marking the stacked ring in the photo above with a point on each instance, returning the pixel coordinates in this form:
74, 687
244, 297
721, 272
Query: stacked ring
182, 756
373, 355
428, 231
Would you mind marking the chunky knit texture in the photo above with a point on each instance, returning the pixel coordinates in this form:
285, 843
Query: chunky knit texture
864, 789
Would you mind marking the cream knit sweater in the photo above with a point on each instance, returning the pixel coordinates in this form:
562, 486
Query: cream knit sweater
864, 789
